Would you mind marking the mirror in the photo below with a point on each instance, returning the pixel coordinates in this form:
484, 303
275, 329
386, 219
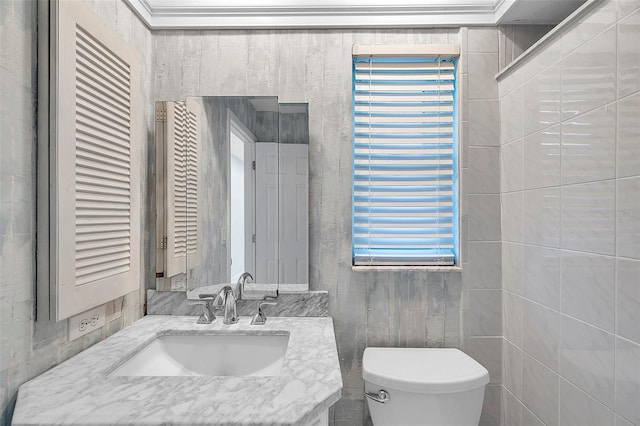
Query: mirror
293, 191
232, 192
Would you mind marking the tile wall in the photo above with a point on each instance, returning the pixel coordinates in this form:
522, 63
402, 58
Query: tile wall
570, 184
482, 296
27, 348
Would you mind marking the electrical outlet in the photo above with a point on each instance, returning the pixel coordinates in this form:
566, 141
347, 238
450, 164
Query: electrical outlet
86, 322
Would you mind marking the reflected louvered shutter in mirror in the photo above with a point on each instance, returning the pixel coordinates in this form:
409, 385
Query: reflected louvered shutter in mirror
176, 210
404, 160
182, 139
181, 145
193, 143
96, 164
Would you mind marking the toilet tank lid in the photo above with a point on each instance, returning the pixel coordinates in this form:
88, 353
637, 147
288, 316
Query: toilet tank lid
424, 370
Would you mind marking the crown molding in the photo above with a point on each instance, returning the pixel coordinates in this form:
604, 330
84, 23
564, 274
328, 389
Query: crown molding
254, 14
501, 7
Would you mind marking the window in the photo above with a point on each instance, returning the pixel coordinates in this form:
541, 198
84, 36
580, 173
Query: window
405, 185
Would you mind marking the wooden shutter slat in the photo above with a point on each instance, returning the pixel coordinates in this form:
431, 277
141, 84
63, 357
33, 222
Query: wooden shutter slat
102, 215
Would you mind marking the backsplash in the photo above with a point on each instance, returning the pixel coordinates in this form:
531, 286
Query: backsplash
306, 304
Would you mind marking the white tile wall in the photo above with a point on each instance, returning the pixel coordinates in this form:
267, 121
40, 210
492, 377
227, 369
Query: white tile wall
512, 368
541, 275
589, 75
542, 94
628, 298
542, 154
540, 390
572, 357
511, 409
626, 376
587, 359
628, 54
628, 130
578, 409
542, 217
483, 116
588, 146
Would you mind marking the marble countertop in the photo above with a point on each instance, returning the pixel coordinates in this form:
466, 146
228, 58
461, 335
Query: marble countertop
80, 391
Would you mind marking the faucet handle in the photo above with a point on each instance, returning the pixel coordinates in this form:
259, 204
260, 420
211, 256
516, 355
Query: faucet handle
221, 298
205, 296
207, 316
206, 301
260, 318
268, 300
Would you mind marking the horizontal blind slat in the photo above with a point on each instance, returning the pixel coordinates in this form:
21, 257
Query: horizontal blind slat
402, 188
402, 60
400, 242
405, 199
412, 210
404, 167
418, 114
402, 221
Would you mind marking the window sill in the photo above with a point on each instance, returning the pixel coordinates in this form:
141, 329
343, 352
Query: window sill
362, 268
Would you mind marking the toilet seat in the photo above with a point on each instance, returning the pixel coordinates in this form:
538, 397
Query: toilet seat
423, 370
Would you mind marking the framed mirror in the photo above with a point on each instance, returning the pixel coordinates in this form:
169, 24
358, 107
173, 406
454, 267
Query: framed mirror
232, 192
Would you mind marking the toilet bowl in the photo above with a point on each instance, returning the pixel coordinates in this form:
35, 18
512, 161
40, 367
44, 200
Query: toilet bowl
423, 386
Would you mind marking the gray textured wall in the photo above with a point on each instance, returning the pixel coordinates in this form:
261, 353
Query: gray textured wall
571, 225
370, 307
267, 126
294, 127
28, 348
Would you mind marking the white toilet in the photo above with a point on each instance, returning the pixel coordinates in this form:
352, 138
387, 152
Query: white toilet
423, 386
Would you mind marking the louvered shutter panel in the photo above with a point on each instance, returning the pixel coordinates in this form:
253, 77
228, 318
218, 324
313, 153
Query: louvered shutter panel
96, 166
404, 161
176, 212
103, 162
193, 215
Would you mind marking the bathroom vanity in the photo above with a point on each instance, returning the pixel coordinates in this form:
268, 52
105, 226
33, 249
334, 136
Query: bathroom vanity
104, 385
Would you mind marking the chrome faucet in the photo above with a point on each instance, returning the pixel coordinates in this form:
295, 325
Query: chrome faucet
227, 300
242, 280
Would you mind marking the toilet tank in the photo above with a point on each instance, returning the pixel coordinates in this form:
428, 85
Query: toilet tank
426, 386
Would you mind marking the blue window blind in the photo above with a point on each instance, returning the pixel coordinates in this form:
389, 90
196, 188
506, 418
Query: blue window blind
404, 161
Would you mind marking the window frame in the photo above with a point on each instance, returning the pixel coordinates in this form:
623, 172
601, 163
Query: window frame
435, 52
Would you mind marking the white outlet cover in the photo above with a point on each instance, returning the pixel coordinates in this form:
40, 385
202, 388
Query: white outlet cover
87, 322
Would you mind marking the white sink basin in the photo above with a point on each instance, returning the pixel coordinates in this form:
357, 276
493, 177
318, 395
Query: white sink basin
208, 355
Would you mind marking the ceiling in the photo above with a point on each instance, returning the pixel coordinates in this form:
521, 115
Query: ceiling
245, 14
539, 11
